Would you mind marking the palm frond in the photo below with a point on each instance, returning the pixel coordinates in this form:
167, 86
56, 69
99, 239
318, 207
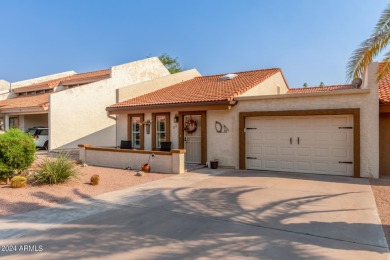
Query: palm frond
383, 23
365, 54
385, 69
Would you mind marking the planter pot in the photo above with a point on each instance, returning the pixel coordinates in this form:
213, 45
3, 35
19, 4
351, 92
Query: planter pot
214, 164
145, 167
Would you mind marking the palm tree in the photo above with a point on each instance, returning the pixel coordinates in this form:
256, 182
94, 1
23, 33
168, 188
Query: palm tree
370, 48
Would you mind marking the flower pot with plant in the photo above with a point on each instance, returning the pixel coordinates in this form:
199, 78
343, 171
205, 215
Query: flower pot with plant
146, 167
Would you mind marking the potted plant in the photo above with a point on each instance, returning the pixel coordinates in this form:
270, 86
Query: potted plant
146, 167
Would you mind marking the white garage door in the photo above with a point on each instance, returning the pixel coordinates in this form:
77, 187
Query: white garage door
308, 144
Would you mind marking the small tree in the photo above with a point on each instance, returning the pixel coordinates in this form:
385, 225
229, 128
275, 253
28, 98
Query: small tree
322, 84
172, 64
305, 85
17, 151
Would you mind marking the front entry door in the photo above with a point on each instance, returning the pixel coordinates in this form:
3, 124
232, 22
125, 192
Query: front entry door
193, 138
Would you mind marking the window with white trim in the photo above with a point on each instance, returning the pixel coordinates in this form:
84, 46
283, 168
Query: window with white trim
136, 131
2, 126
13, 122
161, 130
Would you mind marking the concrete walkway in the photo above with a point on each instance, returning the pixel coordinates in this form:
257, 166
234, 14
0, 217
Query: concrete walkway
211, 214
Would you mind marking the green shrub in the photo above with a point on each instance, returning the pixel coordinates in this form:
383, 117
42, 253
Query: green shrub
17, 151
56, 170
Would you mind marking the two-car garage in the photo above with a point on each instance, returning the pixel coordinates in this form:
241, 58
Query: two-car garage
319, 142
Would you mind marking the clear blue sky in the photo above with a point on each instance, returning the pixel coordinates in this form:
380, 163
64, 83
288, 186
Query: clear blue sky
310, 40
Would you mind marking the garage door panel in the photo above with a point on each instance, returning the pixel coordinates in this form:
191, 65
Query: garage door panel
271, 164
270, 137
341, 121
320, 122
287, 122
319, 137
303, 122
340, 137
339, 168
303, 151
270, 151
255, 136
255, 150
321, 153
286, 151
320, 166
284, 138
323, 143
341, 152
269, 123
254, 164
303, 166
287, 165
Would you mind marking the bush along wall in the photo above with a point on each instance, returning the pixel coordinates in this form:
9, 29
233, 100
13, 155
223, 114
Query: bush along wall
17, 152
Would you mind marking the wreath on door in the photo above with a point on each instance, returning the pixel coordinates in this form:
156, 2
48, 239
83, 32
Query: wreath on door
190, 126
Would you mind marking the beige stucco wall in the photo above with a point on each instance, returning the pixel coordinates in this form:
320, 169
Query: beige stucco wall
227, 154
4, 89
78, 115
155, 84
268, 87
4, 85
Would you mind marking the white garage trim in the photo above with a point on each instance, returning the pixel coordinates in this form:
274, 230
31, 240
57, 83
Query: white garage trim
245, 117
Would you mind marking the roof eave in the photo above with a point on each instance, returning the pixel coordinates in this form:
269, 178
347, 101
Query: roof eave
172, 105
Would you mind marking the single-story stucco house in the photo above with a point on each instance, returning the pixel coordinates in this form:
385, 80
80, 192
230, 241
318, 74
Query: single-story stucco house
73, 105
251, 120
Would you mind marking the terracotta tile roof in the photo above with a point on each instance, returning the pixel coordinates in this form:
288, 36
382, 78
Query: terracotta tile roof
41, 100
81, 77
384, 87
318, 89
201, 89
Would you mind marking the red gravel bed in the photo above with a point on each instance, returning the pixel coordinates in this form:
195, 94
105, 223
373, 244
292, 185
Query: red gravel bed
381, 189
36, 196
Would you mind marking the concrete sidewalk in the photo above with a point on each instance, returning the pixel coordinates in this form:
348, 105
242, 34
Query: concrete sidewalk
210, 214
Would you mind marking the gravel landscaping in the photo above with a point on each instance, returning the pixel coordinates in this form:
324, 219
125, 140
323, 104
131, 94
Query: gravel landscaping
381, 190
36, 196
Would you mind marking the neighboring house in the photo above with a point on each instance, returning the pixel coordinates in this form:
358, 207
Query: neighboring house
384, 124
7, 93
252, 120
73, 106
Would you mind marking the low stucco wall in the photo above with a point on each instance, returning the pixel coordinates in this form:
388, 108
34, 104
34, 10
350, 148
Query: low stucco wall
163, 162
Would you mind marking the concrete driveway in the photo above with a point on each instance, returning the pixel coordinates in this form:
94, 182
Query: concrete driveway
226, 214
